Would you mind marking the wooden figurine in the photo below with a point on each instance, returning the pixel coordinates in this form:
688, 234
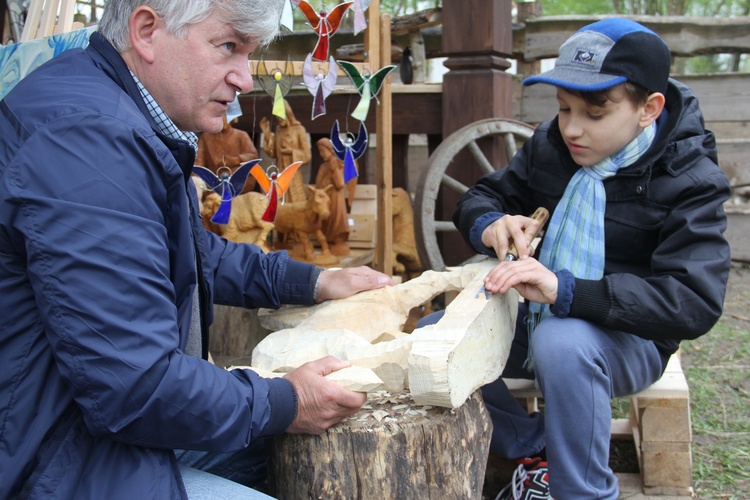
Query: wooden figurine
405, 256
245, 222
303, 219
287, 144
230, 147
331, 172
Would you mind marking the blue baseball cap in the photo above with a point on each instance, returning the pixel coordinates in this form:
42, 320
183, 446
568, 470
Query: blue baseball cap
607, 53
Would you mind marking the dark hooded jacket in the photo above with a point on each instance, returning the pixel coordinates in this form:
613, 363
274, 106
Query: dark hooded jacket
99, 244
667, 261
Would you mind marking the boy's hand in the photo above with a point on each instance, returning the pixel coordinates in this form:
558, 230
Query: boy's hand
321, 402
530, 278
516, 229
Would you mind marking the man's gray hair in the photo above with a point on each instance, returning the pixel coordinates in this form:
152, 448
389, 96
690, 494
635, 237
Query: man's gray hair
256, 19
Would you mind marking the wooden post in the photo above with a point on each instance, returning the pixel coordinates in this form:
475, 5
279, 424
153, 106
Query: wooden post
384, 238
477, 38
526, 11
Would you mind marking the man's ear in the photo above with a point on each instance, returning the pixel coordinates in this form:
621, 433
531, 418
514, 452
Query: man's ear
143, 23
652, 109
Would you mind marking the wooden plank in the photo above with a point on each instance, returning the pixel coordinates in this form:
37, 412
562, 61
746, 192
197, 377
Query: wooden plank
31, 25
666, 465
666, 424
718, 95
734, 160
738, 232
541, 37
416, 110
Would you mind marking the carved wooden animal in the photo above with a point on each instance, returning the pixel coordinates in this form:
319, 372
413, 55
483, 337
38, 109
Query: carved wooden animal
303, 219
442, 364
245, 223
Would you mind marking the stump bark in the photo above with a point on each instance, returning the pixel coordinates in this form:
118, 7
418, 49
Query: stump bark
392, 448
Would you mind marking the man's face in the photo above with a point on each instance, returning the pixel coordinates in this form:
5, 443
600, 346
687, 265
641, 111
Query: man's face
195, 78
593, 133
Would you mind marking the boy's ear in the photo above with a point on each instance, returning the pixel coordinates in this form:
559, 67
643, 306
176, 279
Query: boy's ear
652, 109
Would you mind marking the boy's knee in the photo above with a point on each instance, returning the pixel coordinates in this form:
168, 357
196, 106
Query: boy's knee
559, 342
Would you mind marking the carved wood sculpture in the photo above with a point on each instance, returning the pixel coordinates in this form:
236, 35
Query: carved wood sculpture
246, 224
405, 256
287, 144
230, 147
331, 172
441, 364
303, 219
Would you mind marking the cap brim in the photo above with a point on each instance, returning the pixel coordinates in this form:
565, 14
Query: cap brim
576, 79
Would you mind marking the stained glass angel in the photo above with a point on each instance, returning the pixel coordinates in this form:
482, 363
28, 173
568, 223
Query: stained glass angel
319, 83
287, 15
368, 85
359, 8
325, 24
275, 184
277, 84
226, 184
350, 149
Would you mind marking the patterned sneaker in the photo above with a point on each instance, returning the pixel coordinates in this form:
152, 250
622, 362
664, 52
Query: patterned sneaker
530, 481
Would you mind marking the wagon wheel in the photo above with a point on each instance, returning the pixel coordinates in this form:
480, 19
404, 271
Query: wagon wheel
434, 176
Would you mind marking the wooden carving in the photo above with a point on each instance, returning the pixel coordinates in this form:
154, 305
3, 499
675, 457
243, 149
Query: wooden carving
304, 219
230, 147
405, 256
441, 364
287, 144
331, 173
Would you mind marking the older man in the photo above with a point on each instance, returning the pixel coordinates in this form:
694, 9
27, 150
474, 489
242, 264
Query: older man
107, 276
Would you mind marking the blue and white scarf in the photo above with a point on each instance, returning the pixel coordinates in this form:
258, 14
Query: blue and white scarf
575, 237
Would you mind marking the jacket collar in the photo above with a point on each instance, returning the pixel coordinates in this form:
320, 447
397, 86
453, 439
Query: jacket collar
112, 64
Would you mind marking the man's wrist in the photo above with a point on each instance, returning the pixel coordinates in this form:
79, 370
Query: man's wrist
316, 284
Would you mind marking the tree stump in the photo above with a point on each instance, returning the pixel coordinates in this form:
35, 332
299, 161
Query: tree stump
392, 448
234, 334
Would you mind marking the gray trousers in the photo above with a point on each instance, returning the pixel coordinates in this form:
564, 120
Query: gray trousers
579, 367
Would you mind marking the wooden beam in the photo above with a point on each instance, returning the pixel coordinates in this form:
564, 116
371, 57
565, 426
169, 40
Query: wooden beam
541, 37
416, 21
384, 174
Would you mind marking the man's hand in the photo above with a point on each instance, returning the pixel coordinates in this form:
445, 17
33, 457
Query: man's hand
342, 283
516, 229
530, 278
321, 402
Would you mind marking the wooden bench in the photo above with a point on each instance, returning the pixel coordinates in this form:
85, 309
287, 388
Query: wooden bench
659, 425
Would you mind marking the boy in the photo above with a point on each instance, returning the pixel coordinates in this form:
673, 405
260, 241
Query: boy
633, 260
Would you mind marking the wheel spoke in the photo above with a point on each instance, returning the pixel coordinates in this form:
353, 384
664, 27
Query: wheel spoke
510, 146
479, 157
454, 184
444, 226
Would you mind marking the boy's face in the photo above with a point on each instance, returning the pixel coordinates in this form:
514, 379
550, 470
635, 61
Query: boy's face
592, 132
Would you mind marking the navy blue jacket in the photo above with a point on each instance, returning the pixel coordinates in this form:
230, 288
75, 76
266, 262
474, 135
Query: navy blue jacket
98, 243
666, 259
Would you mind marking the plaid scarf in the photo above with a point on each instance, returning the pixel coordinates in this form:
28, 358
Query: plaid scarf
575, 237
